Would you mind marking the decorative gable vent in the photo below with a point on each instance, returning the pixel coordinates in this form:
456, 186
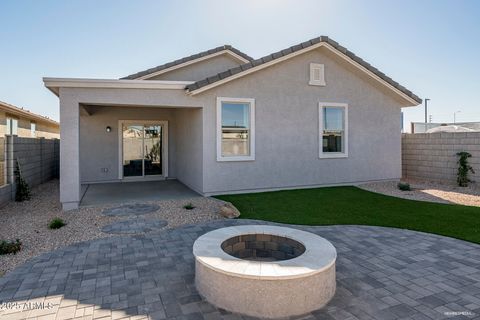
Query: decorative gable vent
317, 74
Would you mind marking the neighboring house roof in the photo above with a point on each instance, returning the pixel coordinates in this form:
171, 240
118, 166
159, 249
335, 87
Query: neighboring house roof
20, 112
202, 55
258, 64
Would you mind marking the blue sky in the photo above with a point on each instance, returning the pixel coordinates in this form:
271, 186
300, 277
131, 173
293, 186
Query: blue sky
431, 47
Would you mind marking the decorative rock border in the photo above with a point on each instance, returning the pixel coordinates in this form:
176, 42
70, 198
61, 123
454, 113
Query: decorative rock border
133, 226
135, 209
267, 289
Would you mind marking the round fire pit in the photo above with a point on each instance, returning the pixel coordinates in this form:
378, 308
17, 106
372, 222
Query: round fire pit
265, 271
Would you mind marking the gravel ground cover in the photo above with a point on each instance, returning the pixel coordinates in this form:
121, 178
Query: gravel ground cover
28, 221
429, 191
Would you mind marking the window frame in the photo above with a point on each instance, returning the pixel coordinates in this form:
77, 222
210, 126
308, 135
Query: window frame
249, 101
9, 127
33, 129
332, 155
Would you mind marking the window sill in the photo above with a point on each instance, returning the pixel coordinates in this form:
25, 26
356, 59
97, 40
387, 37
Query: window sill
318, 84
333, 155
230, 159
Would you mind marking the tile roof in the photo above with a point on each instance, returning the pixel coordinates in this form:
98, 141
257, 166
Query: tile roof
253, 63
26, 113
186, 59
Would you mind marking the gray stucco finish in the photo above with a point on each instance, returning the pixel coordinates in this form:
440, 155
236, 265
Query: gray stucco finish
382, 274
287, 135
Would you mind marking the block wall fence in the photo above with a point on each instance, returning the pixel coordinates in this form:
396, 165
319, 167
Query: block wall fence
432, 156
38, 158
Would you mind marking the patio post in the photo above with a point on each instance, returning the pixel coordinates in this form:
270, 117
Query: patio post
69, 150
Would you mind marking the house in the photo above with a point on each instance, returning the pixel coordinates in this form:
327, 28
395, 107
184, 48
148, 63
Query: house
23, 123
221, 122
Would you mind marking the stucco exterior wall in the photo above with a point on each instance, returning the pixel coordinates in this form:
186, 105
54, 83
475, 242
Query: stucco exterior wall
101, 148
188, 136
47, 131
287, 134
43, 129
201, 70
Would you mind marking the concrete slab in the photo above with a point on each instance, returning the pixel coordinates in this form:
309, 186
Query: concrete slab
123, 192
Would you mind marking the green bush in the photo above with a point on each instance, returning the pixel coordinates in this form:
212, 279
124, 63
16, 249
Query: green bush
56, 223
23, 190
463, 169
404, 186
189, 206
7, 247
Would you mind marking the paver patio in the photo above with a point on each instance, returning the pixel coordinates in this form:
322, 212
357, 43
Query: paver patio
382, 273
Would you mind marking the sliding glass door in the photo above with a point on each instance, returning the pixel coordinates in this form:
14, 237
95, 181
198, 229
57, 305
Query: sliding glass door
142, 149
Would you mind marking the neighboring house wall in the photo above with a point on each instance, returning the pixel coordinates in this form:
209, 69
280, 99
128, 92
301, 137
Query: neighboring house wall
200, 70
43, 129
432, 156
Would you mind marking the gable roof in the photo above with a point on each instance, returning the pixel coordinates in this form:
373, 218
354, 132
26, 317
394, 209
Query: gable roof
254, 65
21, 112
190, 59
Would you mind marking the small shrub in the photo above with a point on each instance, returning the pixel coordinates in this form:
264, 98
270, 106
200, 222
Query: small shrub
463, 169
404, 186
7, 247
56, 223
189, 206
23, 190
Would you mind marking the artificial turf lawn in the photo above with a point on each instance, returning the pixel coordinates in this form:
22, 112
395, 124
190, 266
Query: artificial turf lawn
351, 205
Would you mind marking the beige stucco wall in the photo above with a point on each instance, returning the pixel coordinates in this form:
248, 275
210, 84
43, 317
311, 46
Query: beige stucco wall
201, 70
287, 136
43, 129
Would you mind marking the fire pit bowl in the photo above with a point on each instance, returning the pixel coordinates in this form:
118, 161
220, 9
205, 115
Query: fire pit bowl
265, 271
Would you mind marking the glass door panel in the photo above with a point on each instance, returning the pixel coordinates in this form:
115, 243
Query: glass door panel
132, 150
153, 150
142, 150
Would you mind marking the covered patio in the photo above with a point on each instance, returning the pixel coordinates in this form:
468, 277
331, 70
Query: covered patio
126, 130
123, 192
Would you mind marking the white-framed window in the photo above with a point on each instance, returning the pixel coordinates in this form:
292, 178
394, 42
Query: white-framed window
12, 126
317, 74
235, 129
33, 129
333, 130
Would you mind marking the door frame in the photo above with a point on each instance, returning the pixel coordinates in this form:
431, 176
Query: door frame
164, 124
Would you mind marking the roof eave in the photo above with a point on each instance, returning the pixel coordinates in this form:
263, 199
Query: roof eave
54, 84
254, 66
11, 109
180, 63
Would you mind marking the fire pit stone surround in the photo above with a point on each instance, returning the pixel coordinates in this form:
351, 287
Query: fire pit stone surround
265, 271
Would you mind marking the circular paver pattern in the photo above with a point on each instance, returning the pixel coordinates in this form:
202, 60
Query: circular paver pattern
135, 209
382, 273
133, 226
